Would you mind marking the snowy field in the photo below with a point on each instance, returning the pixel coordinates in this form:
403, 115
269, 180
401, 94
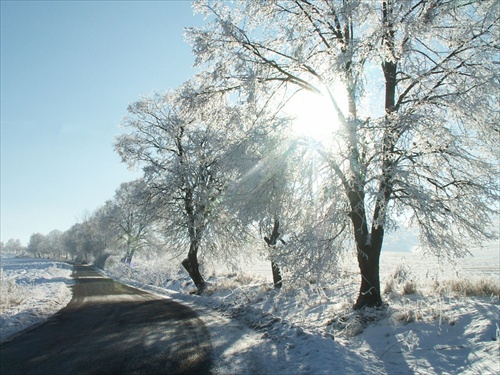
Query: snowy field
31, 290
440, 319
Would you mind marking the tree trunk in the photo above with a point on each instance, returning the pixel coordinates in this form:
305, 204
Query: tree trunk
277, 280
129, 256
130, 251
271, 242
369, 292
193, 268
368, 247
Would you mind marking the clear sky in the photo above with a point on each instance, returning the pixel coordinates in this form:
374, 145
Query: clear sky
68, 71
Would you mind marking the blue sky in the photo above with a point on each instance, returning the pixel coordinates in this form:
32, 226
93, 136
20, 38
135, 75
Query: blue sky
68, 71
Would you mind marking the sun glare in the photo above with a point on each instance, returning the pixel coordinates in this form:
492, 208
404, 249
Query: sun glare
314, 115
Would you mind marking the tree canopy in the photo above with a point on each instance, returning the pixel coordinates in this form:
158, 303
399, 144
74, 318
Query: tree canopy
418, 138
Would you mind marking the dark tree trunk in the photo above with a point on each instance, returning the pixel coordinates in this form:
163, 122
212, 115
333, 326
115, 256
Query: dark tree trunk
271, 242
129, 256
277, 280
368, 249
369, 291
193, 267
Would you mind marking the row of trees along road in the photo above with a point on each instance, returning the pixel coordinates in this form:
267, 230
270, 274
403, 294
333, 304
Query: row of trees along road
418, 138
121, 226
412, 90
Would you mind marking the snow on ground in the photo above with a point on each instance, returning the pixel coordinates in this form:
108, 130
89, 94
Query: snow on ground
247, 341
31, 290
440, 318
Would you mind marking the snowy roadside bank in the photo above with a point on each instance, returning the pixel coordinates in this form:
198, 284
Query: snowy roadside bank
436, 322
31, 290
246, 341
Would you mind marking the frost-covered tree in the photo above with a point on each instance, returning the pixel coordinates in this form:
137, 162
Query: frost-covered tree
13, 246
100, 236
70, 240
273, 192
418, 136
183, 140
53, 244
88, 240
35, 244
259, 193
132, 213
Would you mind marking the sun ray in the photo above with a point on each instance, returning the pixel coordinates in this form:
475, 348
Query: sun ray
314, 116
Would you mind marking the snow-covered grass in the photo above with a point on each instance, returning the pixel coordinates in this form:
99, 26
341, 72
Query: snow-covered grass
31, 290
440, 318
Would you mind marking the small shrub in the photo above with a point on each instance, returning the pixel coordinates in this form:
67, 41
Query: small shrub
400, 282
11, 293
407, 316
409, 287
401, 274
427, 310
245, 279
410, 340
389, 286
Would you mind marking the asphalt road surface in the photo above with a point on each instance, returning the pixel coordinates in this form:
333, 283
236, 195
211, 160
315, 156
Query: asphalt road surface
110, 328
